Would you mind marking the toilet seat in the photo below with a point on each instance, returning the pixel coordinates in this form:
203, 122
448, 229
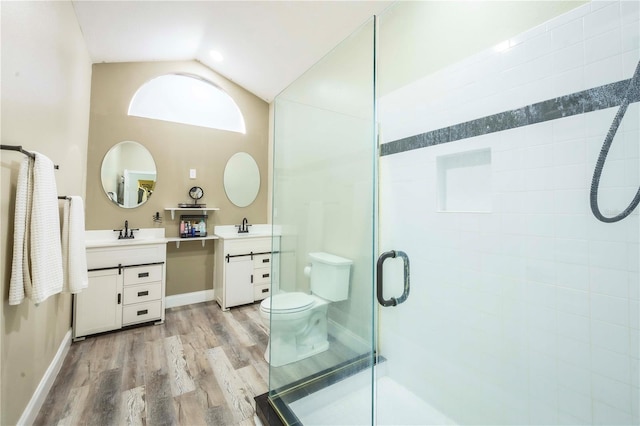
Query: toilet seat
287, 303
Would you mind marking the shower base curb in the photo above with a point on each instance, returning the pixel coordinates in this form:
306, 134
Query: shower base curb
282, 415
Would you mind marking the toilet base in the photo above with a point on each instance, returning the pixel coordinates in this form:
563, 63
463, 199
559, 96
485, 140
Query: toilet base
293, 357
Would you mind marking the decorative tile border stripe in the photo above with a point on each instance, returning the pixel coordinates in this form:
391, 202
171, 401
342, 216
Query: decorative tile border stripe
602, 97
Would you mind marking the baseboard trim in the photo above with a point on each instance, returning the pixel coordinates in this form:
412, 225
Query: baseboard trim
188, 298
348, 338
37, 399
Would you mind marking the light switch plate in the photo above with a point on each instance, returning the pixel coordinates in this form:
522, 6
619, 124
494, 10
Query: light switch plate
192, 173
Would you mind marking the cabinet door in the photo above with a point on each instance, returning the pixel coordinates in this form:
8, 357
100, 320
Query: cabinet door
98, 307
238, 281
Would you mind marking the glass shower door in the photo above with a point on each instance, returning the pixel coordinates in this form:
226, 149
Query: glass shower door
324, 180
523, 305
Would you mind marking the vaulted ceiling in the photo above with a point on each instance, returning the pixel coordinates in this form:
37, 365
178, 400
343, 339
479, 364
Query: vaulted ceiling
266, 45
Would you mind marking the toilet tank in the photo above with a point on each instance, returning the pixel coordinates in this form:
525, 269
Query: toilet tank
330, 276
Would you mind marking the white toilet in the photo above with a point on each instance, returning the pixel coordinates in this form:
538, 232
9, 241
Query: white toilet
298, 320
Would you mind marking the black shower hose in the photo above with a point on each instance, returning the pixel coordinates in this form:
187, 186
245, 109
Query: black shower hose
631, 92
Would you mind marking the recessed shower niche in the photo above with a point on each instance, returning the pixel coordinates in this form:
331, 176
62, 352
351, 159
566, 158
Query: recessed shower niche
464, 181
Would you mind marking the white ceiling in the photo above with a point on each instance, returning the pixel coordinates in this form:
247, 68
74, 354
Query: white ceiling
266, 44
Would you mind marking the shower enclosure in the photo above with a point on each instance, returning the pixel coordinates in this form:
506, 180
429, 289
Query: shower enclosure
497, 145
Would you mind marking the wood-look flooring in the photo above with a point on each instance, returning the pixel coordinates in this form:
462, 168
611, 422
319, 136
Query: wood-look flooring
201, 367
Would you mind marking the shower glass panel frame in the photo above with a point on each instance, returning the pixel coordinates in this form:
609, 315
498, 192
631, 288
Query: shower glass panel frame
324, 197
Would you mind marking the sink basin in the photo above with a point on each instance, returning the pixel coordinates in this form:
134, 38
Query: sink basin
231, 231
109, 238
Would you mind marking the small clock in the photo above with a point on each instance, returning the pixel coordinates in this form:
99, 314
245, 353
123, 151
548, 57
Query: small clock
196, 193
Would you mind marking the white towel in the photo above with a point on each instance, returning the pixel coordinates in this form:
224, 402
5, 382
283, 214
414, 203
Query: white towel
20, 270
45, 247
37, 262
74, 255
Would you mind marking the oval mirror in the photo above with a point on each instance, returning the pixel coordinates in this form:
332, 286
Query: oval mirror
128, 174
241, 179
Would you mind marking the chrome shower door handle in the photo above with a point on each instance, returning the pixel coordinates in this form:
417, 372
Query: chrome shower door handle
379, 279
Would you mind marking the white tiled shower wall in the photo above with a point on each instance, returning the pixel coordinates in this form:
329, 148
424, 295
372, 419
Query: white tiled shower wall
527, 314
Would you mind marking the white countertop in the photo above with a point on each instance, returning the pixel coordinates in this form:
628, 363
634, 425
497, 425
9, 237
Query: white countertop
230, 232
109, 238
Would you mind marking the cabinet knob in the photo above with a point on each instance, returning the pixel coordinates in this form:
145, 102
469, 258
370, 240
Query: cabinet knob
143, 274
143, 293
119, 298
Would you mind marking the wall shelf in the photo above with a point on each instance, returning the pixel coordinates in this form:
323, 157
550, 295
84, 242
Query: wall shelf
173, 210
178, 240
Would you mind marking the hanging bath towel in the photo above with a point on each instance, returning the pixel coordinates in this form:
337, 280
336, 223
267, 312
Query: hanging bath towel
36, 269
20, 275
45, 245
74, 255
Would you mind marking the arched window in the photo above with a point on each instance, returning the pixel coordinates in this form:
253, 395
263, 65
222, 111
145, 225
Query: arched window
187, 99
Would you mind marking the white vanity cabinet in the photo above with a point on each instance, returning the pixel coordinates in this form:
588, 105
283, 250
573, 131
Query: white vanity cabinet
98, 308
242, 270
126, 286
238, 283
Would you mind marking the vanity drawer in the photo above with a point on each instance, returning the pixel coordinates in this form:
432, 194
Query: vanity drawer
262, 276
262, 260
142, 293
141, 312
247, 245
142, 274
137, 254
261, 291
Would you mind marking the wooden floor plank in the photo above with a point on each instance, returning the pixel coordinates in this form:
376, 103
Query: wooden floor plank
75, 404
238, 332
104, 400
220, 415
256, 384
259, 363
133, 411
188, 410
134, 361
181, 381
238, 398
208, 391
160, 409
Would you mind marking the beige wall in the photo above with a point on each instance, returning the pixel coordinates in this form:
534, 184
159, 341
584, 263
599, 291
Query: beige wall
46, 77
176, 148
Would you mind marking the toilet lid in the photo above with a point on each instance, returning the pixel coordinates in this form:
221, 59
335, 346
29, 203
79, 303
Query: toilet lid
288, 302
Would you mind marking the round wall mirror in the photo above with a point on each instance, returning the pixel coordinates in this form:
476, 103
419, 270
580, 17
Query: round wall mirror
128, 174
241, 179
